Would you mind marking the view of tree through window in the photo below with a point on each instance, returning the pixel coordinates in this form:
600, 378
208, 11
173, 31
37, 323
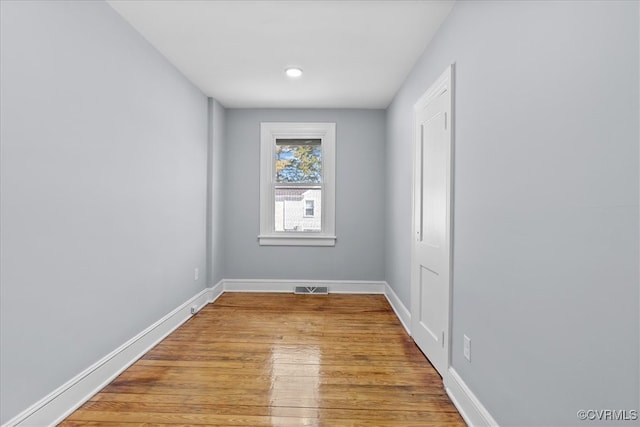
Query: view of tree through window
298, 185
298, 161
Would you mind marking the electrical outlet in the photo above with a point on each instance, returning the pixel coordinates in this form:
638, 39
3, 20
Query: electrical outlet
467, 348
196, 273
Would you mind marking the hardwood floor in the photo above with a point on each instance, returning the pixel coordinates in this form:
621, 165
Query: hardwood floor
279, 360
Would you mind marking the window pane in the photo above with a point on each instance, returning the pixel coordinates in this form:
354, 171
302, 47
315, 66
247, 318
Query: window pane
308, 207
298, 160
292, 208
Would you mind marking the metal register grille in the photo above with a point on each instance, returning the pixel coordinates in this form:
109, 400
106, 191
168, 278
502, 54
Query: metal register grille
314, 290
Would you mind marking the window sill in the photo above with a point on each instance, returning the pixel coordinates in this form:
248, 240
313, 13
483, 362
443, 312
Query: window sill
296, 240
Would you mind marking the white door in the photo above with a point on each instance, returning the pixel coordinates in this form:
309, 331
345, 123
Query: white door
431, 251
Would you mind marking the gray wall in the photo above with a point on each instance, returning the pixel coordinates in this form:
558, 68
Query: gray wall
105, 212
103, 185
546, 203
359, 251
215, 179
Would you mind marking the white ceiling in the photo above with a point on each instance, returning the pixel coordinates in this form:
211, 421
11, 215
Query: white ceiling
355, 54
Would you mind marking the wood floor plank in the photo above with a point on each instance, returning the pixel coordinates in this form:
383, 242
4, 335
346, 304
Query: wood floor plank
279, 360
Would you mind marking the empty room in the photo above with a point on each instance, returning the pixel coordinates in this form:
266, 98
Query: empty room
320, 213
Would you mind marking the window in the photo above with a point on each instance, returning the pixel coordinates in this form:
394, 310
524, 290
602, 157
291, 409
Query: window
297, 184
308, 208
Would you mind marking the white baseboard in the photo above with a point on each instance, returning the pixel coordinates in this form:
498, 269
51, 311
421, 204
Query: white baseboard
470, 408
472, 411
215, 291
403, 314
60, 403
335, 286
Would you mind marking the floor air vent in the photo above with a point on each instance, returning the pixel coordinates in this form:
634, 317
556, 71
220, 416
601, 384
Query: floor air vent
312, 290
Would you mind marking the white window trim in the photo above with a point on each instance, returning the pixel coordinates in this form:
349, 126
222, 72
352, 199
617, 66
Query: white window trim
269, 132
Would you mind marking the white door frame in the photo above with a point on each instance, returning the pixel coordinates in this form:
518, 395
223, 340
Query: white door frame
444, 82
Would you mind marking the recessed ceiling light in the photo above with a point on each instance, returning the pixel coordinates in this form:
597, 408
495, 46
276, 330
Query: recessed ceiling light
293, 72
